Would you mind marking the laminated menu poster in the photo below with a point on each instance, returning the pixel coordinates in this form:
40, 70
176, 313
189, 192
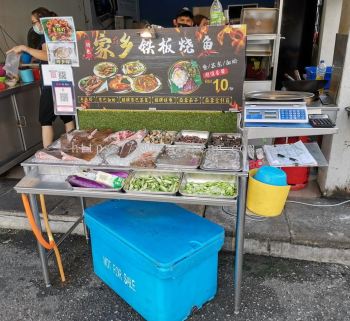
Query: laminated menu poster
61, 41
180, 68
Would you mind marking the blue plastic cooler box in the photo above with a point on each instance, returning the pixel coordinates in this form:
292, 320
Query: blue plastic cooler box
159, 257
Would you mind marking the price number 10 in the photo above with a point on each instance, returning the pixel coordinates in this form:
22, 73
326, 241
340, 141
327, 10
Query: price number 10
220, 85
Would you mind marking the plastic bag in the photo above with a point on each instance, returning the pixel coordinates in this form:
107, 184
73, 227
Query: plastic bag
12, 64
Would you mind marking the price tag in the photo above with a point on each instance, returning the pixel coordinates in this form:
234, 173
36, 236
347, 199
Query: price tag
63, 98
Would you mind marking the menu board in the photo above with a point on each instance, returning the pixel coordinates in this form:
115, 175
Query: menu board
181, 68
60, 39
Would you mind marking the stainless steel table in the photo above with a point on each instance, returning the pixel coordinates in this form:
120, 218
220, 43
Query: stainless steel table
49, 179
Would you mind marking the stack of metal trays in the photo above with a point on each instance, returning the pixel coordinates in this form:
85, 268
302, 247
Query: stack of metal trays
180, 157
209, 185
222, 159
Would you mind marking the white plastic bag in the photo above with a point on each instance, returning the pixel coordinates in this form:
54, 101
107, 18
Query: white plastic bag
12, 64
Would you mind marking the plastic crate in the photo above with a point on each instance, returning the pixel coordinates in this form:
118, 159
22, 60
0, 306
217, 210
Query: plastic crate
311, 75
159, 257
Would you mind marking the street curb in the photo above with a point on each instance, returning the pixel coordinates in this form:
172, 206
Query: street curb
266, 247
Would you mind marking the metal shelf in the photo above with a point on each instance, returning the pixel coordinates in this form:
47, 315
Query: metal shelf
272, 36
30, 185
62, 169
271, 132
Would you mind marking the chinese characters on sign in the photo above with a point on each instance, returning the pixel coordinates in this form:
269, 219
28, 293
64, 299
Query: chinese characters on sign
186, 68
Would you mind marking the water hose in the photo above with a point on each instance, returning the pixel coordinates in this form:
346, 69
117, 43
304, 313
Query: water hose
51, 239
47, 245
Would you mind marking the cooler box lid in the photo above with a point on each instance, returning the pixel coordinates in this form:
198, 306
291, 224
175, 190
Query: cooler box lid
162, 232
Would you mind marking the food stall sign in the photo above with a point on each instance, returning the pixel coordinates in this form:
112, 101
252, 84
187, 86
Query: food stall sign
180, 69
61, 40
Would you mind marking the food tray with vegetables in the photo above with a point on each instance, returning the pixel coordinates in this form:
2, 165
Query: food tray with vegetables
225, 140
209, 185
160, 137
180, 157
192, 137
222, 159
153, 182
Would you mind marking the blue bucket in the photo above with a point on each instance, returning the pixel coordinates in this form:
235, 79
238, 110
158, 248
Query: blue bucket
26, 75
26, 58
271, 175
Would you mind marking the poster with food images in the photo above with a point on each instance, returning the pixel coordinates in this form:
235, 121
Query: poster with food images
180, 68
61, 41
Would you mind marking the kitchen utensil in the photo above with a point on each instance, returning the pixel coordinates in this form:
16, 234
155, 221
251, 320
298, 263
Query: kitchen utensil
289, 77
278, 95
312, 86
297, 74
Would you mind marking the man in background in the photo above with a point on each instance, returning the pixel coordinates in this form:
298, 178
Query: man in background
184, 18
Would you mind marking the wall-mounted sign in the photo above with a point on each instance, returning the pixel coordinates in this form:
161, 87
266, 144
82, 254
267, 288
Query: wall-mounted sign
185, 68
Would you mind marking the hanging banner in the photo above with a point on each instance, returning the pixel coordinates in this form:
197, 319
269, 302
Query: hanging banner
181, 68
61, 41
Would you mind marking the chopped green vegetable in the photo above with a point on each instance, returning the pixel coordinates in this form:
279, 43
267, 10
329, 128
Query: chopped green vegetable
211, 188
166, 183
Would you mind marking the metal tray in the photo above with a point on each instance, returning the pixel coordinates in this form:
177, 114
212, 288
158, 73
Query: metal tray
200, 134
153, 173
233, 135
218, 150
206, 177
168, 131
279, 95
165, 162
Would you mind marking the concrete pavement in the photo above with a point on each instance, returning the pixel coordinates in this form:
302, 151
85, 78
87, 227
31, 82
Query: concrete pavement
273, 289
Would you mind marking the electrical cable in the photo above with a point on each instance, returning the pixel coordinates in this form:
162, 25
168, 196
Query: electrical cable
51, 238
3, 35
248, 216
319, 205
4, 30
260, 219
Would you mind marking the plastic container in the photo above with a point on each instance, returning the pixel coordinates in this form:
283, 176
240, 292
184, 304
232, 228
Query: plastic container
26, 58
260, 20
264, 199
159, 257
311, 74
271, 175
216, 14
36, 74
26, 75
297, 177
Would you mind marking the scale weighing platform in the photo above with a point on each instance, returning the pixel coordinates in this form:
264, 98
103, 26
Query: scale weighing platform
276, 114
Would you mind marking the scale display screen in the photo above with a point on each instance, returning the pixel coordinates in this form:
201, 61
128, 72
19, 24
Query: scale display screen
275, 113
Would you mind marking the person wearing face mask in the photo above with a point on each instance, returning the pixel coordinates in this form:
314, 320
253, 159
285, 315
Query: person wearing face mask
46, 108
184, 18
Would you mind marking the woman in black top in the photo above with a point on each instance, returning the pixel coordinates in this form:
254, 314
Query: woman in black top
46, 108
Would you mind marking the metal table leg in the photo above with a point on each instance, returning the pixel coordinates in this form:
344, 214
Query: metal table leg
239, 246
83, 207
42, 251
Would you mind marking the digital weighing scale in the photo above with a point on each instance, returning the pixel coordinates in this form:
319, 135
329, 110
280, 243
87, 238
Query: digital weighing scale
275, 112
